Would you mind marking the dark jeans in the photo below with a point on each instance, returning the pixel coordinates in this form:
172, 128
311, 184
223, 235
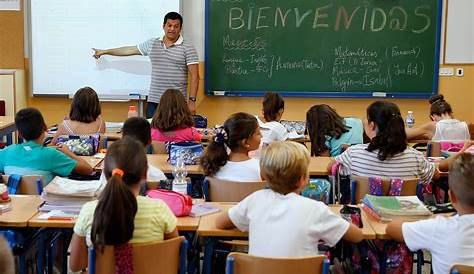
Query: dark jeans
150, 109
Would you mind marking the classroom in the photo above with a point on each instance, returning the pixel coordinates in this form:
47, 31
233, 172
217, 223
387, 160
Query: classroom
321, 105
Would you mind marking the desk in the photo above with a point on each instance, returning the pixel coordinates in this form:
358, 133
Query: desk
318, 166
161, 161
23, 208
94, 162
367, 231
7, 128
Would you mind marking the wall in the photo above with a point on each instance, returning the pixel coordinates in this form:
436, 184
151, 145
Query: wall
459, 91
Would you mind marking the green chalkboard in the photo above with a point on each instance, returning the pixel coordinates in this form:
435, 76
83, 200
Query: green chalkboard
351, 48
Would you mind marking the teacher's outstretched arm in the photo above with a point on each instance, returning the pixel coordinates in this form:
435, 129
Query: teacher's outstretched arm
122, 51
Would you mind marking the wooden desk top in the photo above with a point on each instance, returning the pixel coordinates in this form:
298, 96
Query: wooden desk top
6, 121
161, 161
184, 223
318, 166
207, 225
367, 230
24, 207
93, 161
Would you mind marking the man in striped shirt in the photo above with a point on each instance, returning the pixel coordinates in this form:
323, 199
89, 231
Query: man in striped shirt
171, 59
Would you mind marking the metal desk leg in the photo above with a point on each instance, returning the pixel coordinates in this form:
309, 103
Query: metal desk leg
209, 245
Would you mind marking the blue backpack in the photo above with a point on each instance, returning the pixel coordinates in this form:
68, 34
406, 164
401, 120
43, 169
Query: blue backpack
318, 189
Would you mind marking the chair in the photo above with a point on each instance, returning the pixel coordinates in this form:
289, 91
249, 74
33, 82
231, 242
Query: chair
241, 263
462, 269
217, 190
165, 257
159, 147
471, 130
360, 187
29, 185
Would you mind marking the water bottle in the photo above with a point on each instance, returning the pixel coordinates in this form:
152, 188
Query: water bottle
179, 173
410, 120
132, 112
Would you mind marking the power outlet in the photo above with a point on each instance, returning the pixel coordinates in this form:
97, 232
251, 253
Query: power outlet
459, 72
446, 72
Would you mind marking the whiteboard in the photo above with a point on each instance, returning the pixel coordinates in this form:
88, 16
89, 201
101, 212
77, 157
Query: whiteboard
63, 33
460, 32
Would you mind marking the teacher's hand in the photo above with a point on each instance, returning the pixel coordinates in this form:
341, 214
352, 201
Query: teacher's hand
192, 106
98, 53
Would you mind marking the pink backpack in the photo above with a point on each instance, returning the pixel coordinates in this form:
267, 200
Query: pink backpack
180, 204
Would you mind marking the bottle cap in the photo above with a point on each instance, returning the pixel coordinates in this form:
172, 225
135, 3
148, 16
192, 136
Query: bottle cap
132, 108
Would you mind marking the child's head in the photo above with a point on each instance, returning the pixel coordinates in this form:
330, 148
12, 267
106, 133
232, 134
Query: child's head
240, 133
273, 107
137, 128
85, 106
439, 108
461, 181
322, 121
386, 129
172, 112
125, 168
30, 123
284, 165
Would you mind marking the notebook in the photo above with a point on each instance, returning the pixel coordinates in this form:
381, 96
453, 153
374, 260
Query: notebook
203, 209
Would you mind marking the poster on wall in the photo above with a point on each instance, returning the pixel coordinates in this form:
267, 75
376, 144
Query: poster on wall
9, 5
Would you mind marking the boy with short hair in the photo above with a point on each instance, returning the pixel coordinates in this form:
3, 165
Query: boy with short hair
139, 129
32, 158
281, 223
449, 239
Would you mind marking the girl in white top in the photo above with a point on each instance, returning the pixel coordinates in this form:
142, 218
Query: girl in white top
84, 115
272, 130
239, 134
443, 126
280, 222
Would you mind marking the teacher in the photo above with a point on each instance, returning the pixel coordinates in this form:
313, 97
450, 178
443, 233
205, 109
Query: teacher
171, 59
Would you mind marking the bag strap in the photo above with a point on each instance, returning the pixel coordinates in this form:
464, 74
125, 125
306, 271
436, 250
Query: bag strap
375, 186
396, 186
13, 184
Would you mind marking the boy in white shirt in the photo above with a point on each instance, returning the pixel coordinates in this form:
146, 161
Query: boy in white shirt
281, 223
449, 239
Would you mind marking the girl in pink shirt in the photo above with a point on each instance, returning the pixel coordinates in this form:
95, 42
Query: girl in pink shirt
172, 121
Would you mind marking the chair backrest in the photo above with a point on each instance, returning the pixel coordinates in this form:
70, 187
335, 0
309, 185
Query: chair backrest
361, 187
28, 184
229, 191
240, 263
471, 130
462, 269
166, 257
2, 108
159, 147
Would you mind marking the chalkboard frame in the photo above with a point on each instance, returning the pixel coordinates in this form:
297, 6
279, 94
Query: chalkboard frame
320, 94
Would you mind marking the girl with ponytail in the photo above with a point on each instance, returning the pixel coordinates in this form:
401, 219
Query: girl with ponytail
387, 154
239, 135
120, 216
269, 122
443, 127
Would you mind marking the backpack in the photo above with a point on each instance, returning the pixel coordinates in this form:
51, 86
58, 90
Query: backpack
180, 204
190, 151
82, 145
318, 189
200, 121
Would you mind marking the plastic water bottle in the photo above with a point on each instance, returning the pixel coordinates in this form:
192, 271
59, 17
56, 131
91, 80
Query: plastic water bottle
179, 173
132, 112
410, 120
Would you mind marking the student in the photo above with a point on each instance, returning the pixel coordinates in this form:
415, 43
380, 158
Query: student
120, 215
387, 154
84, 115
173, 121
7, 265
443, 126
280, 222
449, 239
270, 127
240, 134
138, 128
31, 158
329, 132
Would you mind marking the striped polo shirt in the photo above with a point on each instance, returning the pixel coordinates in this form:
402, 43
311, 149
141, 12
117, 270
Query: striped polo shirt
169, 65
356, 160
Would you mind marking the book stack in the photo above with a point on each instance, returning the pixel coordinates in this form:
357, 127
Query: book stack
68, 195
388, 208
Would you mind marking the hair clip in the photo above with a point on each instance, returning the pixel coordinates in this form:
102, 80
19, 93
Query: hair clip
118, 172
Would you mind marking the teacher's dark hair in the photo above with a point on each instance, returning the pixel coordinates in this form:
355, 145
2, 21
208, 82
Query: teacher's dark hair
391, 138
173, 16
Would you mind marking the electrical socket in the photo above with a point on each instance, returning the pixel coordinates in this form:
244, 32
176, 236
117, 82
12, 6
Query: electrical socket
446, 71
459, 72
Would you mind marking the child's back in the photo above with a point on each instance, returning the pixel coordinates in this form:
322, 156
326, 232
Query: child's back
286, 225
